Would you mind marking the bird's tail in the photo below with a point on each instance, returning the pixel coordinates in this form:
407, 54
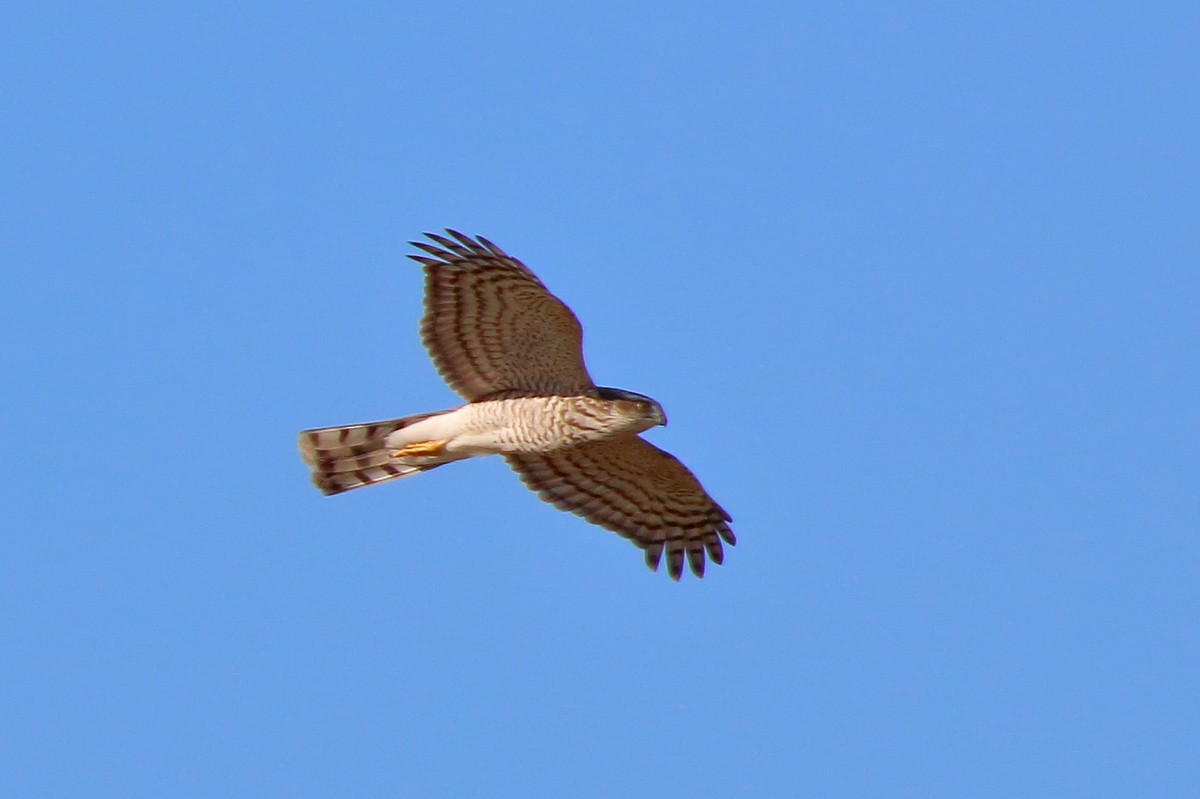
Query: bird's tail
342, 458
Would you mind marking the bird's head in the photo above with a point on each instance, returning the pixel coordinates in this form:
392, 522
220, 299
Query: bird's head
641, 411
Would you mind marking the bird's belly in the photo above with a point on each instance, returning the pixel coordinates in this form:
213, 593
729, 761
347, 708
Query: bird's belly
526, 424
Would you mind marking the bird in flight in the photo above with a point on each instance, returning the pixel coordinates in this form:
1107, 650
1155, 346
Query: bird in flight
514, 352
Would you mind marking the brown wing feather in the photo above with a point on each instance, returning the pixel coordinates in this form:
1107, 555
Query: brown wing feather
491, 326
633, 488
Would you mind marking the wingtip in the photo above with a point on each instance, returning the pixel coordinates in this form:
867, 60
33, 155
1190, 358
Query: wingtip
675, 565
433, 255
715, 552
442, 240
653, 557
491, 246
462, 238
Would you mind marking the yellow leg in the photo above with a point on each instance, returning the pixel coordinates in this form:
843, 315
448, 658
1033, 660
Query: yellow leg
419, 449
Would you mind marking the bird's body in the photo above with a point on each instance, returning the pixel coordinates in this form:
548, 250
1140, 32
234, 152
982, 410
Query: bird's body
513, 350
520, 424
342, 457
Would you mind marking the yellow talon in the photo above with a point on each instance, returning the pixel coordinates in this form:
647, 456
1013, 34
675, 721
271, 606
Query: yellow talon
419, 449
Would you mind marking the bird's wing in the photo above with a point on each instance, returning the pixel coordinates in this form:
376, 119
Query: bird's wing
490, 325
629, 486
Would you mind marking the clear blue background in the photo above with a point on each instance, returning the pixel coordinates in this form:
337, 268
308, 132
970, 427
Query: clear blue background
917, 283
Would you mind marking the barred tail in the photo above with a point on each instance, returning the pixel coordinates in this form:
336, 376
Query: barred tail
342, 458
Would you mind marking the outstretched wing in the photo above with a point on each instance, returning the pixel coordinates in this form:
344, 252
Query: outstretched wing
491, 326
633, 488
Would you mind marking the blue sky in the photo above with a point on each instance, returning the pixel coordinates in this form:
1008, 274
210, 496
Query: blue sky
917, 285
